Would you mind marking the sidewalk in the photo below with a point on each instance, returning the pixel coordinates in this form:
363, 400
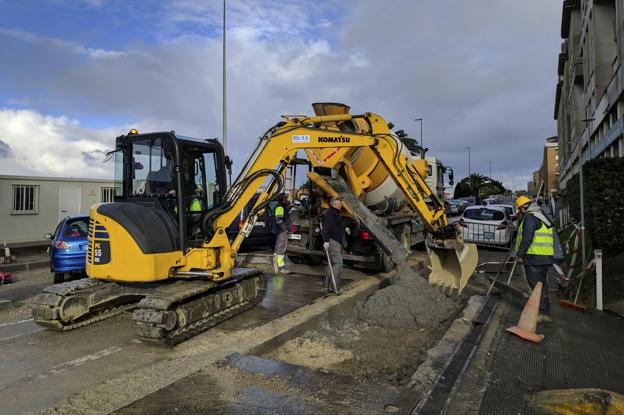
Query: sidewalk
580, 350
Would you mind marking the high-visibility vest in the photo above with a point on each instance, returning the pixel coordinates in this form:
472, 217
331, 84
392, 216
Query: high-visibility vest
195, 206
543, 241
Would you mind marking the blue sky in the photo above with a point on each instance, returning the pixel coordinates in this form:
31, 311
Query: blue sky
481, 74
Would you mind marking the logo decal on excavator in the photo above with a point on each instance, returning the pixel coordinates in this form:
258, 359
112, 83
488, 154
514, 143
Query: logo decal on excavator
300, 138
340, 139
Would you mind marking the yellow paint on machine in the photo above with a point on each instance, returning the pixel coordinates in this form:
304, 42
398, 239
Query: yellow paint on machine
127, 262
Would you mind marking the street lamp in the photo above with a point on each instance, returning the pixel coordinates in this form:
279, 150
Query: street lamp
468, 148
422, 146
587, 122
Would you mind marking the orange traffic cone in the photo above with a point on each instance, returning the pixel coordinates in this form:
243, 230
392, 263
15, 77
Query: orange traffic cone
528, 319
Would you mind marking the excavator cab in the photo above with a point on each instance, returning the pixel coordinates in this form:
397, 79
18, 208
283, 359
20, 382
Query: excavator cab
165, 184
178, 176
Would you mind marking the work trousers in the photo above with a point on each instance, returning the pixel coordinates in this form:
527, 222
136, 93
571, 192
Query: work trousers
335, 259
535, 274
281, 242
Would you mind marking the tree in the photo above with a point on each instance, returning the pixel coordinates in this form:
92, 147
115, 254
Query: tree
479, 186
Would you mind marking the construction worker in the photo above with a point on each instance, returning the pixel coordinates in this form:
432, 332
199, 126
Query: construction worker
535, 248
333, 234
280, 227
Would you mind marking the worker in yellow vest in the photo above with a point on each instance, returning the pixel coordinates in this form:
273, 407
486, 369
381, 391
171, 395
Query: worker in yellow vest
280, 226
536, 246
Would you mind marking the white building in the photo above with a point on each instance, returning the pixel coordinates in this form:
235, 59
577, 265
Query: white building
32, 206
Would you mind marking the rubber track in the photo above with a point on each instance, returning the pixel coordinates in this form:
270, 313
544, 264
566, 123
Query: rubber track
49, 301
152, 333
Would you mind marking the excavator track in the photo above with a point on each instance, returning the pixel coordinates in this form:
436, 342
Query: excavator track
167, 321
58, 306
166, 313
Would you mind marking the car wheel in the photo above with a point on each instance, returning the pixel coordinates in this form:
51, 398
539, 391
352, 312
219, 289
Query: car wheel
59, 277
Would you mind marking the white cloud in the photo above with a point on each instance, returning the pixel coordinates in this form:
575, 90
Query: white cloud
44, 145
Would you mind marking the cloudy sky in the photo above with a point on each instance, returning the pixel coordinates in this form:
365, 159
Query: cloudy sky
75, 74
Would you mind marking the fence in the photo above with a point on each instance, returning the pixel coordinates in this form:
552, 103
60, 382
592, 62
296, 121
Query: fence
499, 236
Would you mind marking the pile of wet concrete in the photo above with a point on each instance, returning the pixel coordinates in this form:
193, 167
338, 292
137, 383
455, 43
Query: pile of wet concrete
382, 338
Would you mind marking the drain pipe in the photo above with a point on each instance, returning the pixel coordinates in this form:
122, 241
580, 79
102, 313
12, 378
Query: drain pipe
598, 257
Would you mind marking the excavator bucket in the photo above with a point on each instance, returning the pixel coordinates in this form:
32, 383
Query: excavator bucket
452, 263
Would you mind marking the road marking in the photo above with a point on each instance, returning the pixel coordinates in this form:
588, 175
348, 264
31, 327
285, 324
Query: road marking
84, 359
16, 322
22, 334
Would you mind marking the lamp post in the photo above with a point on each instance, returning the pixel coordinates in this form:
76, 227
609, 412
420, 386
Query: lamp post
422, 146
587, 122
468, 148
224, 88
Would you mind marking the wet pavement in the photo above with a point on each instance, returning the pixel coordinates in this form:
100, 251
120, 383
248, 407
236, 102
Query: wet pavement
41, 367
244, 384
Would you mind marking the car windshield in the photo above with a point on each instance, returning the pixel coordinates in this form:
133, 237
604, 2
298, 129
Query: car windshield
76, 228
484, 214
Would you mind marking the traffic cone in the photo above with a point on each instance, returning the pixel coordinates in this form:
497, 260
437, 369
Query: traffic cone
528, 319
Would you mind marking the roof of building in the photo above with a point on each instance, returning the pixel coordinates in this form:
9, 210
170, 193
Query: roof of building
57, 179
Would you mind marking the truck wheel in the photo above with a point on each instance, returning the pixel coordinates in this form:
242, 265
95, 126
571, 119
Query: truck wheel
59, 277
312, 260
386, 263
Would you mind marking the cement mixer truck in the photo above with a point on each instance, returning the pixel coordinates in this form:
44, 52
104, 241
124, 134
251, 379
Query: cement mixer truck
374, 188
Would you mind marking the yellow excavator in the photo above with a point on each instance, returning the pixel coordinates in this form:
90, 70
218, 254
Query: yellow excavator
161, 247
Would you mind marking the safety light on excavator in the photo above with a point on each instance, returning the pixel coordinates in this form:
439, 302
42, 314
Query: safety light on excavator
133, 131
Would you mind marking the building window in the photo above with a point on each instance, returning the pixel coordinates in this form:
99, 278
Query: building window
25, 199
107, 194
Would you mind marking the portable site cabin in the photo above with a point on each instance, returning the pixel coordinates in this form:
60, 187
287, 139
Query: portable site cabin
32, 206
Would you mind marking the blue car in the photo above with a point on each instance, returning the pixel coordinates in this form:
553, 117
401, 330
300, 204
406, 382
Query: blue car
68, 247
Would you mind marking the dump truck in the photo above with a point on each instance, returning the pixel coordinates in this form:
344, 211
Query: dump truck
161, 249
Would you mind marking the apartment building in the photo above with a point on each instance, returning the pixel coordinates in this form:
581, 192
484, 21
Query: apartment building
589, 103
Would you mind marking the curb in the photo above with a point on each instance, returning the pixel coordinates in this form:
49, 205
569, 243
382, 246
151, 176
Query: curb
25, 266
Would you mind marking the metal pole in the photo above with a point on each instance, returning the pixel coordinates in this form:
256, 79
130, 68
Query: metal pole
581, 188
468, 148
598, 257
490, 169
422, 145
224, 87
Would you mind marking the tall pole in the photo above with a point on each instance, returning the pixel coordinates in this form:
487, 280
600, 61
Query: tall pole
468, 148
581, 186
224, 87
490, 169
422, 145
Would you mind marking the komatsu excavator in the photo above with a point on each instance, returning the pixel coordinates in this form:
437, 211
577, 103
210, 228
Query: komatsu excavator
161, 247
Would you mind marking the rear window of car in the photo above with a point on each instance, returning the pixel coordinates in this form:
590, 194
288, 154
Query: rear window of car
76, 227
484, 214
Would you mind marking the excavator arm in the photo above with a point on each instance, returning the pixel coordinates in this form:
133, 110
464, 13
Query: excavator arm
280, 145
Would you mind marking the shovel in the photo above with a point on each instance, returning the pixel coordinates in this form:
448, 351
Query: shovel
331, 271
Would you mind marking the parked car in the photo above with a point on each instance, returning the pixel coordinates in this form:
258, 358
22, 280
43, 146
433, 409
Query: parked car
68, 247
511, 211
450, 208
261, 234
459, 205
486, 225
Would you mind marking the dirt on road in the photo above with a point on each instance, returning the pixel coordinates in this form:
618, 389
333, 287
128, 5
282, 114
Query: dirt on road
385, 337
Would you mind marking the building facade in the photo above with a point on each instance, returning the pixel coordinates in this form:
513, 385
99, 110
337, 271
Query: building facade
32, 206
589, 103
546, 178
